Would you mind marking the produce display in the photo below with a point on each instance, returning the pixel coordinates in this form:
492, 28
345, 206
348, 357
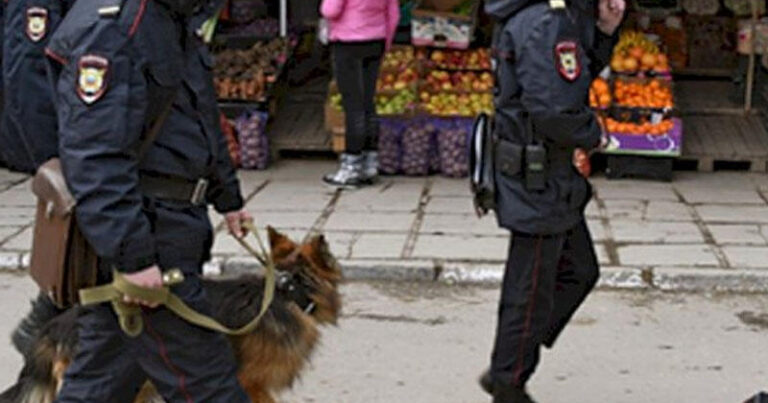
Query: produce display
398, 58
427, 101
452, 104
440, 80
653, 93
473, 59
397, 104
635, 54
245, 75
397, 81
642, 128
635, 101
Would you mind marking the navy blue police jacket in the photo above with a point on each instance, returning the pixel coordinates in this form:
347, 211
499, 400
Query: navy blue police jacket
28, 128
117, 64
545, 60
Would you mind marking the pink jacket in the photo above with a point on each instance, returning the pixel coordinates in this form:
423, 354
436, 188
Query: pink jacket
361, 20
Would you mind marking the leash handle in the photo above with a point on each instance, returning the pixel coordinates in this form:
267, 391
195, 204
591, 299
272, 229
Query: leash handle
130, 315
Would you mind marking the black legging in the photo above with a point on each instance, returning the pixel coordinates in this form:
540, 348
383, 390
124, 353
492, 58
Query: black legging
356, 66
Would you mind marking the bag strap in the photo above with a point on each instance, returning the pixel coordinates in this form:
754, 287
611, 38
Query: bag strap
154, 130
130, 315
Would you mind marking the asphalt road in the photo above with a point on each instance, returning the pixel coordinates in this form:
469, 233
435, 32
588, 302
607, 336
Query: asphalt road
415, 343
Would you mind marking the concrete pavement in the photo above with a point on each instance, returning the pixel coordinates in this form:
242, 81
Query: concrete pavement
704, 231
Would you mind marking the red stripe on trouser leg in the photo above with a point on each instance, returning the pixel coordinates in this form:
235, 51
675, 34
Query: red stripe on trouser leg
529, 312
164, 355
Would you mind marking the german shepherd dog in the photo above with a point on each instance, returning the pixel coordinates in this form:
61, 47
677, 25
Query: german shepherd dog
270, 358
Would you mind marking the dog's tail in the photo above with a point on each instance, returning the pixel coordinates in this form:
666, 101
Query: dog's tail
24, 336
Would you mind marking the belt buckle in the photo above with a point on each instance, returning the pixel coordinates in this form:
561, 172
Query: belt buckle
198, 195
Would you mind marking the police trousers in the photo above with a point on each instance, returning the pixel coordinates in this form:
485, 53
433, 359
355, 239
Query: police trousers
184, 362
546, 280
356, 67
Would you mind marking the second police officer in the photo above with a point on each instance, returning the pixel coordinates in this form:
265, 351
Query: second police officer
28, 127
546, 55
117, 66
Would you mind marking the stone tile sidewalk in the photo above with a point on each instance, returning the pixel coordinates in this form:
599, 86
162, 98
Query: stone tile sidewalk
701, 232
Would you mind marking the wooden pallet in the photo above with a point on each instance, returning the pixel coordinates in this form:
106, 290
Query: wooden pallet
727, 140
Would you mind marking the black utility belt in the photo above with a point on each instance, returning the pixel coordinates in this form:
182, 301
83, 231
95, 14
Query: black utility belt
175, 189
532, 161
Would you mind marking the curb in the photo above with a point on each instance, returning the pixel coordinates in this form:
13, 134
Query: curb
667, 279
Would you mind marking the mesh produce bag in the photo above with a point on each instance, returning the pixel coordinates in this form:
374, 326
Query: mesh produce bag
391, 145
452, 145
254, 144
416, 145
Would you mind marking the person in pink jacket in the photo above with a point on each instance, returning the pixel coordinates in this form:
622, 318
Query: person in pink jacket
359, 33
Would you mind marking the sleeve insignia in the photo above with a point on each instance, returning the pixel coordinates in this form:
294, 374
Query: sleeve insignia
567, 60
37, 23
92, 77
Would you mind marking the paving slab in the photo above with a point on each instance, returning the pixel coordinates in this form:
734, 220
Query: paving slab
401, 197
340, 243
626, 209
20, 242
379, 246
707, 195
737, 234
667, 255
18, 196
635, 231
450, 205
450, 187
602, 254
592, 210
461, 224
10, 260
667, 211
461, 247
273, 200
751, 257
733, 214
284, 219
6, 232
597, 229
635, 190
370, 222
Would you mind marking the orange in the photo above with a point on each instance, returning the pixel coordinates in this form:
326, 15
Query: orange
636, 53
630, 65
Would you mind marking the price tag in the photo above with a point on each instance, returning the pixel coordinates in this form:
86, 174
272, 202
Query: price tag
656, 118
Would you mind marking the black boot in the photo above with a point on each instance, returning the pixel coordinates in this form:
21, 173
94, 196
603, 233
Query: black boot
486, 382
507, 393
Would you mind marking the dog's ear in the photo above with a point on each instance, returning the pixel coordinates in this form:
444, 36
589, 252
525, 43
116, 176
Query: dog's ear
280, 244
317, 252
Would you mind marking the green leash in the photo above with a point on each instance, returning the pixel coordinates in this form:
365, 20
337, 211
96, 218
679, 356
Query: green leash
129, 315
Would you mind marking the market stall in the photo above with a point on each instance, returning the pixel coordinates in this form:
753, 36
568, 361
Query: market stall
429, 92
702, 115
252, 46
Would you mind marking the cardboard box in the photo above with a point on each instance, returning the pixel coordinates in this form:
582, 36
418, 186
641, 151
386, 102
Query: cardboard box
430, 27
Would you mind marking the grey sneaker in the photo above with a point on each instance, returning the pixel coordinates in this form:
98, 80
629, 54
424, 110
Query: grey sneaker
350, 174
371, 165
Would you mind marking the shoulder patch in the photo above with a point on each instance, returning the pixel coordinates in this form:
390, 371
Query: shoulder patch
37, 23
92, 77
567, 60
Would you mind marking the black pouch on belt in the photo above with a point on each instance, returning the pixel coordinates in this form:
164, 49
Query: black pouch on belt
509, 158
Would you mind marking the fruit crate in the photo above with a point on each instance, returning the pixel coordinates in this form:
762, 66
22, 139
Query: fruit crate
666, 144
639, 99
433, 25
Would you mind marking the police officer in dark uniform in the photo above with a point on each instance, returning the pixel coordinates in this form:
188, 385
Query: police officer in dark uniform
117, 65
546, 55
28, 126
